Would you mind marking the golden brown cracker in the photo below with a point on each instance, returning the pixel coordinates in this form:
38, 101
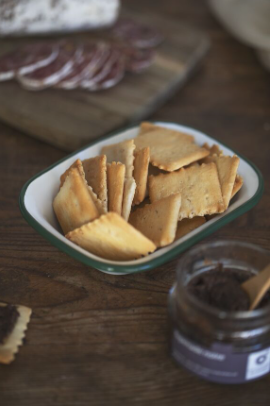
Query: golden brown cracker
95, 170
237, 185
214, 149
111, 237
158, 221
185, 226
140, 174
199, 187
227, 168
115, 183
170, 149
79, 166
128, 196
11, 344
74, 204
121, 152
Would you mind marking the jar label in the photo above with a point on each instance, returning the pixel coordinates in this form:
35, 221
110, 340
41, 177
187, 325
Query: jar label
219, 363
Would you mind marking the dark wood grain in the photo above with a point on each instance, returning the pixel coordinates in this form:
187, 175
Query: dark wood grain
96, 339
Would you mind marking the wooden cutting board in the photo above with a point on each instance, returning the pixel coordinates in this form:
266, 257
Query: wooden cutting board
71, 119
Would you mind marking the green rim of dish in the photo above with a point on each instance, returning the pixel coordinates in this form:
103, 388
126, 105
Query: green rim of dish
152, 263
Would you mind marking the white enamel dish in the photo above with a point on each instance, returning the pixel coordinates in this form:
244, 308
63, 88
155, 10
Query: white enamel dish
38, 193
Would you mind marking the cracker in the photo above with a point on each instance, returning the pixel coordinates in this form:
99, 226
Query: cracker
96, 176
115, 181
79, 165
158, 221
214, 149
74, 204
185, 226
121, 152
237, 185
111, 237
170, 149
141, 164
15, 339
227, 168
128, 196
199, 187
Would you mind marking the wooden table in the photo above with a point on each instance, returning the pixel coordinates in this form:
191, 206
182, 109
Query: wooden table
96, 339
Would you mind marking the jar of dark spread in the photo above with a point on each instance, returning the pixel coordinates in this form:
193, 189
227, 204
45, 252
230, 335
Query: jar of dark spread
214, 335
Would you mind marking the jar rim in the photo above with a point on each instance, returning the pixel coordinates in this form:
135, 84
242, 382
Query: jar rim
223, 314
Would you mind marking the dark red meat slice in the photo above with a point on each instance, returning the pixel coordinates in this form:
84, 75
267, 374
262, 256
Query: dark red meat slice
115, 75
138, 60
26, 59
54, 72
85, 67
104, 68
137, 34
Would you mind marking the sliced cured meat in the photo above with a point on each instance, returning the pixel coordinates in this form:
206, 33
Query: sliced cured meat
55, 71
104, 68
26, 59
138, 60
84, 68
115, 75
137, 34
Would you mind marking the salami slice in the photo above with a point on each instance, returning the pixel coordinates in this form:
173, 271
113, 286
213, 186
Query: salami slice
115, 75
139, 35
26, 59
84, 68
138, 60
54, 72
104, 68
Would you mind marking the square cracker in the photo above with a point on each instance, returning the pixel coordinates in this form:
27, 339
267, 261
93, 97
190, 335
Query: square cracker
129, 192
199, 187
121, 152
185, 226
74, 204
115, 183
170, 149
141, 164
12, 342
95, 170
214, 149
79, 165
111, 237
158, 221
227, 168
237, 185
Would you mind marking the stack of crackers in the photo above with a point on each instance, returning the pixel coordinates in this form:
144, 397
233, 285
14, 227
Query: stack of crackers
142, 194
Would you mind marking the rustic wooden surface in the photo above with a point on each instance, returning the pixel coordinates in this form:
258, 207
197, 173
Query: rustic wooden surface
96, 339
71, 119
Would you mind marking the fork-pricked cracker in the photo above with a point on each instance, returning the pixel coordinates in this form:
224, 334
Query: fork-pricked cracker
141, 164
214, 149
111, 237
79, 165
121, 152
158, 220
185, 226
199, 187
115, 183
128, 196
95, 170
237, 185
11, 343
74, 204
170, 149
227, 168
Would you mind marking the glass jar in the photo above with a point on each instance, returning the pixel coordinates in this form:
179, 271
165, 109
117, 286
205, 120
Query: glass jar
224, 347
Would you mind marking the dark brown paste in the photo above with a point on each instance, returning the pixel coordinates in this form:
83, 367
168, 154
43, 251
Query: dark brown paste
221, 288
8, 317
